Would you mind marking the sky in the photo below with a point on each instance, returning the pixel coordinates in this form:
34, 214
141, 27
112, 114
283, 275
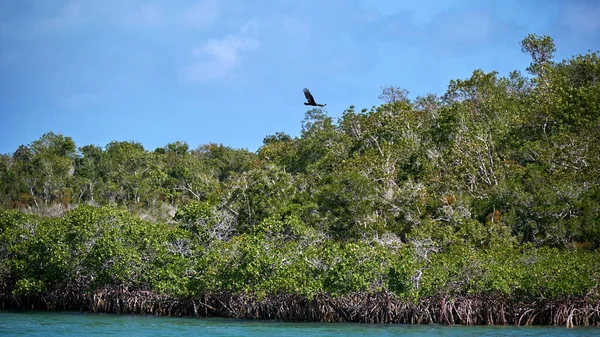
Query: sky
232, 71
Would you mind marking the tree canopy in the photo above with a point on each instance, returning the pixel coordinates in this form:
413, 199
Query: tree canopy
490, 188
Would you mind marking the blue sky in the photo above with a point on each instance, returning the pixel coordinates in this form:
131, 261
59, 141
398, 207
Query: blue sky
232, 71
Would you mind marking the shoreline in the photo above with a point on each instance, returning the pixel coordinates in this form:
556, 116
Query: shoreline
370, 308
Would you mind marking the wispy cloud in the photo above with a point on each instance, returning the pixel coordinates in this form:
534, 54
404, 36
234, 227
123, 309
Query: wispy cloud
35, 26
145, 15
582, 17
218, 58
201, 15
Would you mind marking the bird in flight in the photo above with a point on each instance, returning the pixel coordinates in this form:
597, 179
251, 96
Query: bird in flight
310, 100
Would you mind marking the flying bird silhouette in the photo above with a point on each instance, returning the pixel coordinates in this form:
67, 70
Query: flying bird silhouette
310, 100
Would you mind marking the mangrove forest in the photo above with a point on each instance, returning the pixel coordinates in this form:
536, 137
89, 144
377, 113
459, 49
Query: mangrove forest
478, 206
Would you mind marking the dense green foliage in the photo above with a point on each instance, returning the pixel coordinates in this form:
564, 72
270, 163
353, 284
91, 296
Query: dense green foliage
491, 189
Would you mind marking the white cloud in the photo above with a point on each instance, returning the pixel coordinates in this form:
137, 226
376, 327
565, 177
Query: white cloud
202, 15
218, 58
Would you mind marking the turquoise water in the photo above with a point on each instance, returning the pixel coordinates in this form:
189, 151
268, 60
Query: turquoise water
51, 324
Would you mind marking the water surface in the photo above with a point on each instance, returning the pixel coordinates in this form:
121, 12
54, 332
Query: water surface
54, 324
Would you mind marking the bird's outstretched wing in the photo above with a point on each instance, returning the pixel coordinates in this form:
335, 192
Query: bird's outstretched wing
309, 97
